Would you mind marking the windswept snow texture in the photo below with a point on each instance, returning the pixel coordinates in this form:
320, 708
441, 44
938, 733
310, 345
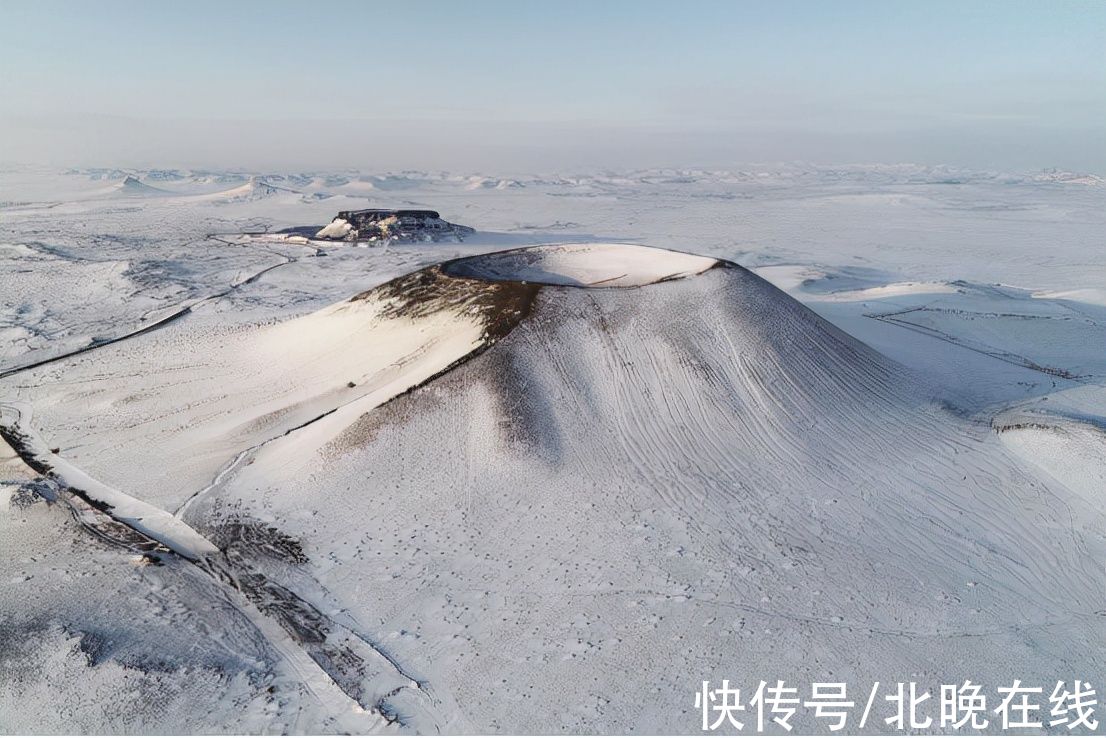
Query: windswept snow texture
544, 480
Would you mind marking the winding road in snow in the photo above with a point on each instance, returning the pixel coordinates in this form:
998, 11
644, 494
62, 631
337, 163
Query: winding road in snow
172, 317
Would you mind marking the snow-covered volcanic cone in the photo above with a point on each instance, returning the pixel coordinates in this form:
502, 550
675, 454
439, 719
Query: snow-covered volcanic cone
131, 186
556, 489
638, 489
254, 189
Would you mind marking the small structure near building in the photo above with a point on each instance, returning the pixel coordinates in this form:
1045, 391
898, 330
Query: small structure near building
379, 224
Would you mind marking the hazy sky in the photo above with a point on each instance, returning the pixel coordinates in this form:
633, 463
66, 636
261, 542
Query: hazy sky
553, 85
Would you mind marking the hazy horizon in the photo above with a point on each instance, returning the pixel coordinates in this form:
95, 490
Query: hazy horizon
1008, 86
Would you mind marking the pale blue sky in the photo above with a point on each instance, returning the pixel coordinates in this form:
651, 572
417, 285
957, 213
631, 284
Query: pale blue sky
553, 85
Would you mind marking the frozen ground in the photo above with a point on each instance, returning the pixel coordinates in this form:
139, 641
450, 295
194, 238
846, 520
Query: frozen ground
253, 482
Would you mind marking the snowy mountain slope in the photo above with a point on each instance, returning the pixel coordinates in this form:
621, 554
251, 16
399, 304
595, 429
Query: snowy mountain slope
416, 327
411, 328
255, 384
638, 489
258, 382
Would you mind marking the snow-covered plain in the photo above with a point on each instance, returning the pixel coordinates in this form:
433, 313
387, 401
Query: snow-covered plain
255, 482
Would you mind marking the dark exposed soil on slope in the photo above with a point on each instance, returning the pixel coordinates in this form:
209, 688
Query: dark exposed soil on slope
425, 292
